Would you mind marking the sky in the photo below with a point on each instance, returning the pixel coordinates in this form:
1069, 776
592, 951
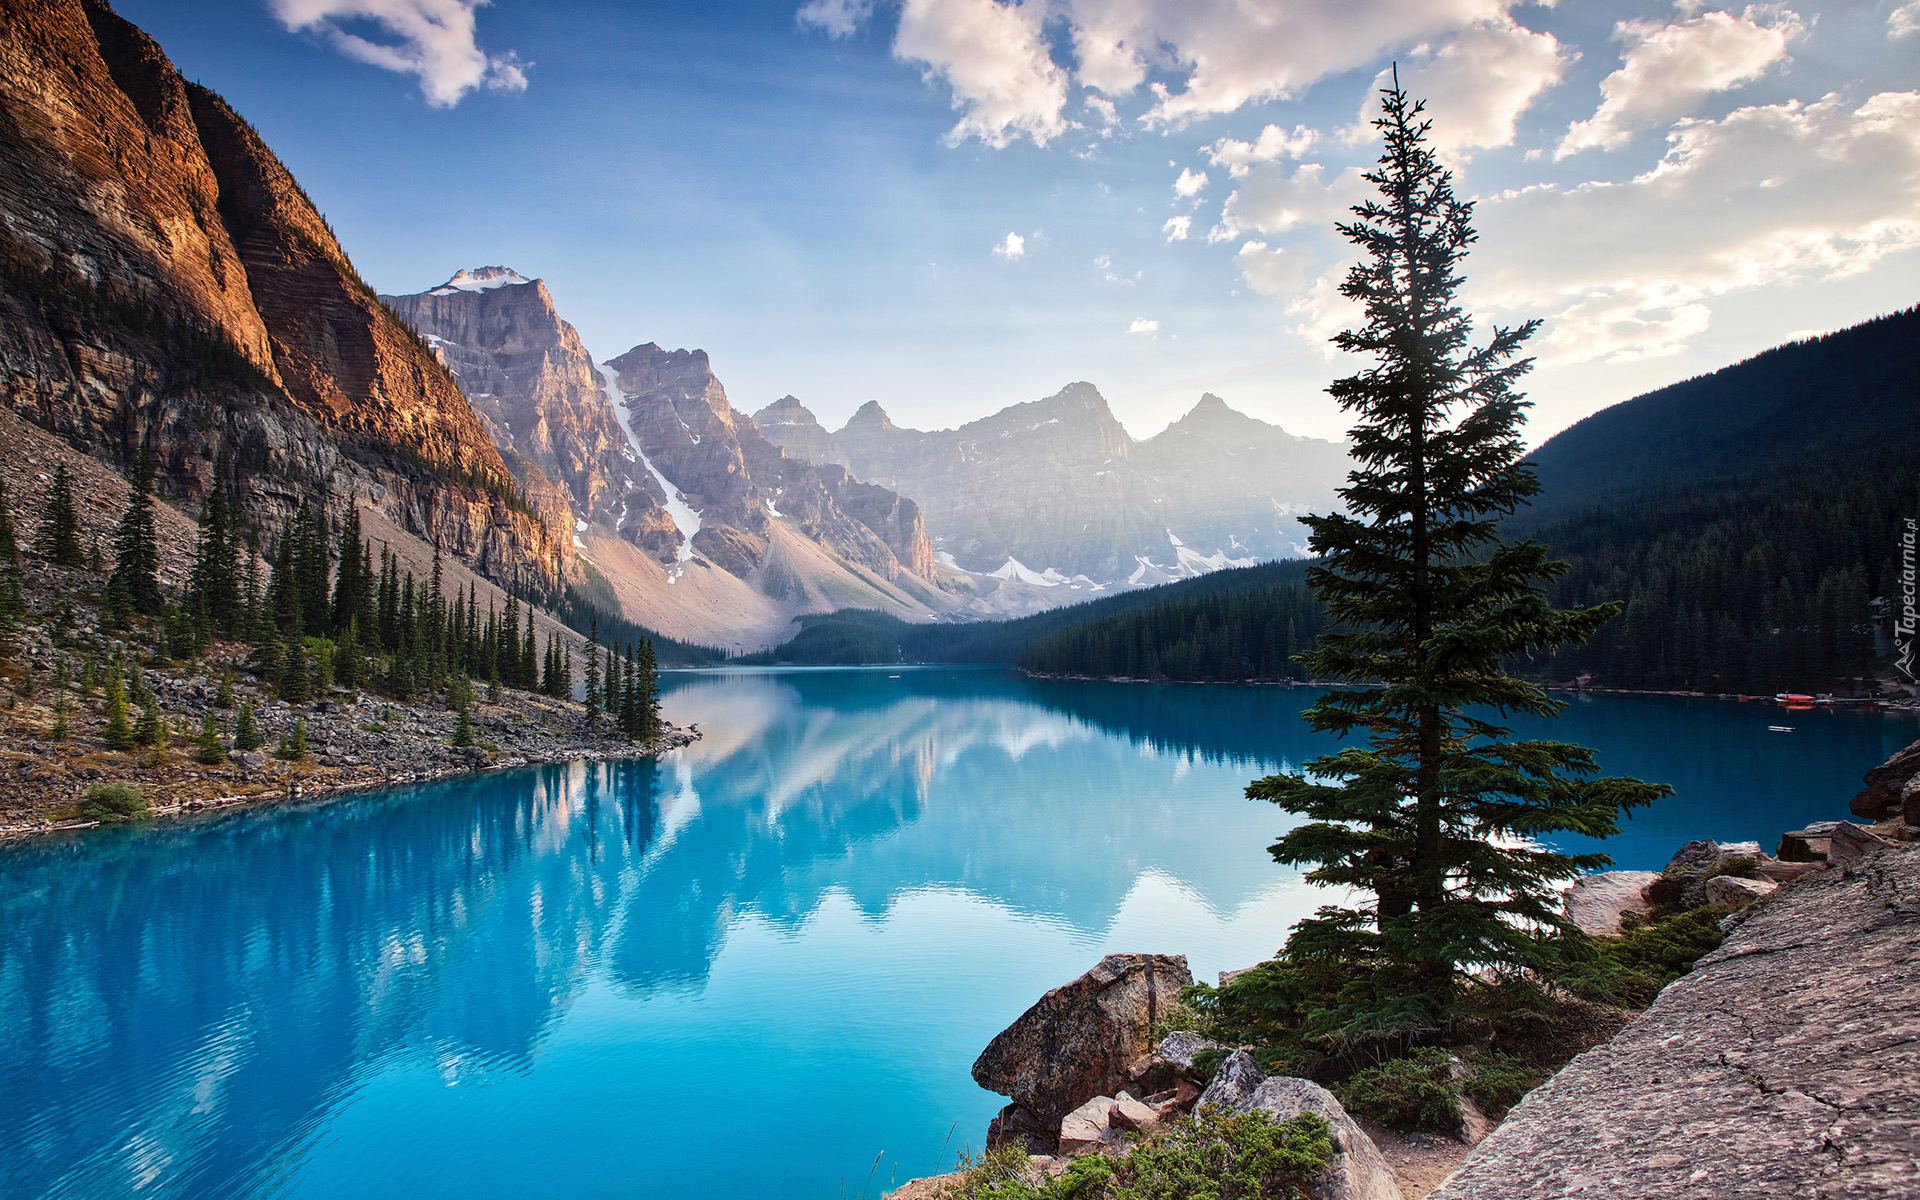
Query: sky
949, 206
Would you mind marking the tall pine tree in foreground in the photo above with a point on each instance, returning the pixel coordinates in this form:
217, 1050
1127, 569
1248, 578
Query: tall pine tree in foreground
1433, 822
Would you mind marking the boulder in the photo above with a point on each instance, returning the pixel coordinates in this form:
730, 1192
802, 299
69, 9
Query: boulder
1848, 842
1807, 845
1595, 902
1670, 888
1178, 1049
1787, 872
1695, 856
1234, 1083
1129, 1114
1078, 1040
1910, 802
1884, 794
1731, 891
1089, 1128
931, 1187
1357, 1171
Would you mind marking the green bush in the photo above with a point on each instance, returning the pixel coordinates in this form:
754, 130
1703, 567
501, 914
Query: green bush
1647, 956
1496, 1082
1215, 1155
1416, 1092
113, 803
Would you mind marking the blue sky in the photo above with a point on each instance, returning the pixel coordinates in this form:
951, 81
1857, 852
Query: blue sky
949, 206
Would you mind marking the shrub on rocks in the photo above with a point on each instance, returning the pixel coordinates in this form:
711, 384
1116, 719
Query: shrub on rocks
1217, 1154
113, 804
1416, 1092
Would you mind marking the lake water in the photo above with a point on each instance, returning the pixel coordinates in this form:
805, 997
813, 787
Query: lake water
759, 967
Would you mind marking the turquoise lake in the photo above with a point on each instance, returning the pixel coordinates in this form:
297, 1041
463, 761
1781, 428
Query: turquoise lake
759, 967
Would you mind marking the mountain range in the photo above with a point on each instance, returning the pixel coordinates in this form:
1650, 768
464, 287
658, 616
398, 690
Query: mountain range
711, 526
167, 289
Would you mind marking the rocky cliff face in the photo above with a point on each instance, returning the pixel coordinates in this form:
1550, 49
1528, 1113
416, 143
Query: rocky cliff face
790, 425
737, 483
1056, 488
543, 400
164, 280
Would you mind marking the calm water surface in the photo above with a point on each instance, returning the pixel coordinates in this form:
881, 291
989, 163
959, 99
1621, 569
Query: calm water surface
759, 967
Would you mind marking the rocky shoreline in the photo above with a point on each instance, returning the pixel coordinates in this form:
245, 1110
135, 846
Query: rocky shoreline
1782, 1064
355, 742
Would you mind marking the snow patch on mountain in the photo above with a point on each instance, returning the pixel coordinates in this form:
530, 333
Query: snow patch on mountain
483, 280
684, 515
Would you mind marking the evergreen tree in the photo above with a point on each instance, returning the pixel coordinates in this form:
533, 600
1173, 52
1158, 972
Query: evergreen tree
296, 683
293, 746
136, 544
117, 733
209, 749
647, 693
350, 585
224, 697
463, 734
150, 730
58, 538
349, 661
12, 602
246, 735
530, 656
593, 673
1431, 823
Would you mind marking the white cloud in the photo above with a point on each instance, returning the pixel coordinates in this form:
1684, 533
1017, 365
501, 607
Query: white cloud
1476, 84
1770, 195
1904, 20
1269, 270
1177, 228
994, 58
1272, 200
1190, 184
1235, 52
433, 41
838, 18
1143, 325
1011, 247
1273, 143
1667, 69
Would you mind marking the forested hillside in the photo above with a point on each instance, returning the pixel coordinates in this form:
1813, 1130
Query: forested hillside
1747, 519
1223, 636
859, 636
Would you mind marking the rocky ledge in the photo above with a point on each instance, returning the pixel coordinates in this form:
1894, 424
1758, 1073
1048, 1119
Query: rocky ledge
1784, 1065
354, 742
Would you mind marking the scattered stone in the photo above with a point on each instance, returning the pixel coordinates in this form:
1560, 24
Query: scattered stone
1077, 1042
1848, 842
1787, 872
1129, 1114
1596, 902
1731, 891
1178, 1049
1087, 1129
1234, 1083
1885, 793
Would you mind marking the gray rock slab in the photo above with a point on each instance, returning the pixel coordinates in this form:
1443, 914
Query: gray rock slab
1785, 1065
1595, 902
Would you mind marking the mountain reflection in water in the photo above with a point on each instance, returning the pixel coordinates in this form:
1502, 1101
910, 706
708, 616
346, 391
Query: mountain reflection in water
745, 969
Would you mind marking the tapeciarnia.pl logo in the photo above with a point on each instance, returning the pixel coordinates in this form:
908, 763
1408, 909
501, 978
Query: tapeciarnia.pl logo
1903, 625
